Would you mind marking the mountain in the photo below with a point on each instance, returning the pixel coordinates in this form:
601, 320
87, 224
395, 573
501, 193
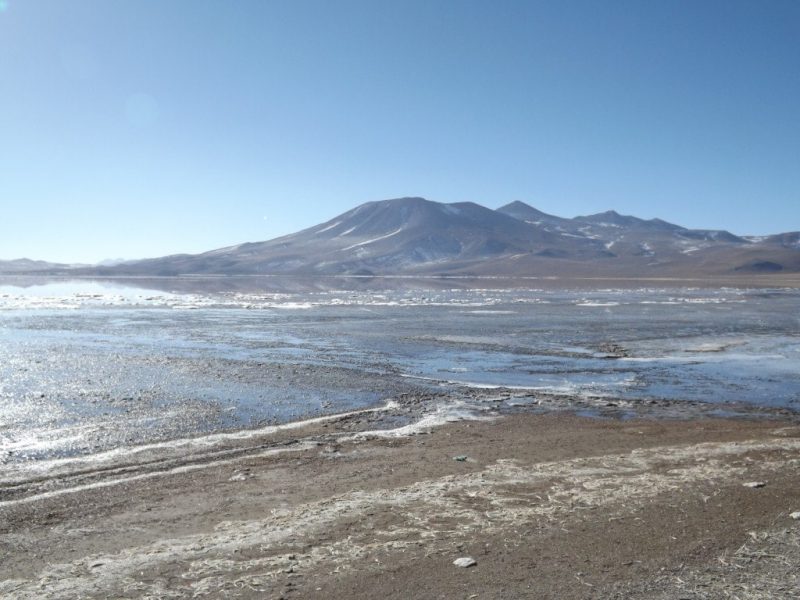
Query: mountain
386, 237
26, 266
786, 240
414, 236
610, 226
657, 247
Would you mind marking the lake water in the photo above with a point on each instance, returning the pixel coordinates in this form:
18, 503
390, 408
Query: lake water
90, 366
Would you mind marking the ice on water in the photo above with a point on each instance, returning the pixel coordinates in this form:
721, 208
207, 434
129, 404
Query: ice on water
89, 366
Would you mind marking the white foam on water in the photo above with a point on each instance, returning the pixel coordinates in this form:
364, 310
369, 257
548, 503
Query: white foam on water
37, 441
61, 465
442, 414
597, 304
690, 356
588, 389
151, 475
293, 306
491, 386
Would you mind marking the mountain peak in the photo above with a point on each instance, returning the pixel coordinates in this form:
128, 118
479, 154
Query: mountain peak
525, 212
394, 203
610, 217
516, 205
608, 214
404, 201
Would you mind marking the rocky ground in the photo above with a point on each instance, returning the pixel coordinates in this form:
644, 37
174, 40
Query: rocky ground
547, 506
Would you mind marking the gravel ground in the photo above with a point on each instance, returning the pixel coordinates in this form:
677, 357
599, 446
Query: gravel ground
548, 506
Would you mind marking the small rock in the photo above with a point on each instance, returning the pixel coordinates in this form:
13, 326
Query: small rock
755, 484
795, 515
465, 562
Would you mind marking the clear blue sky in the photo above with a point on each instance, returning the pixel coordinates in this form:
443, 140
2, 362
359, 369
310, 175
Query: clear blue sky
134, 128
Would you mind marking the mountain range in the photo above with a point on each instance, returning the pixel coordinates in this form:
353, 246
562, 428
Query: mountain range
414, 236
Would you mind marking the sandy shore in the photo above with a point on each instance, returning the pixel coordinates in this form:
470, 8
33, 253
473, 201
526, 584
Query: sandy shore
549, 506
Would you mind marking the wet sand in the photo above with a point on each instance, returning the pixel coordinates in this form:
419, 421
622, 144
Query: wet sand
549, 506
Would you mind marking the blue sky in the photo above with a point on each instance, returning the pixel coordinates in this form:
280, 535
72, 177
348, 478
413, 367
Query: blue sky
141, 128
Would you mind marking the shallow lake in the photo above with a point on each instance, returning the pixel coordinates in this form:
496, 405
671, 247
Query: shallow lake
92, 365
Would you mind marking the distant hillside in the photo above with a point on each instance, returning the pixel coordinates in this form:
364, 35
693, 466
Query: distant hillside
414, 236
25, 266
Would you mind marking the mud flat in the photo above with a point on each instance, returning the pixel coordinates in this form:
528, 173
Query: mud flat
549, 506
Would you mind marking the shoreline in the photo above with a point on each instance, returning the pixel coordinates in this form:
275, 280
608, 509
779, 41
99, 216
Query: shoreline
417, 413
312, 282
386, 513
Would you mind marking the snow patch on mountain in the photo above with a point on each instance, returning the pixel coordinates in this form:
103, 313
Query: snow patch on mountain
372, 241
329, 227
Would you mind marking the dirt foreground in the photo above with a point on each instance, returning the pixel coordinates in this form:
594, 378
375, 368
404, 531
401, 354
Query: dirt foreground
548, 506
